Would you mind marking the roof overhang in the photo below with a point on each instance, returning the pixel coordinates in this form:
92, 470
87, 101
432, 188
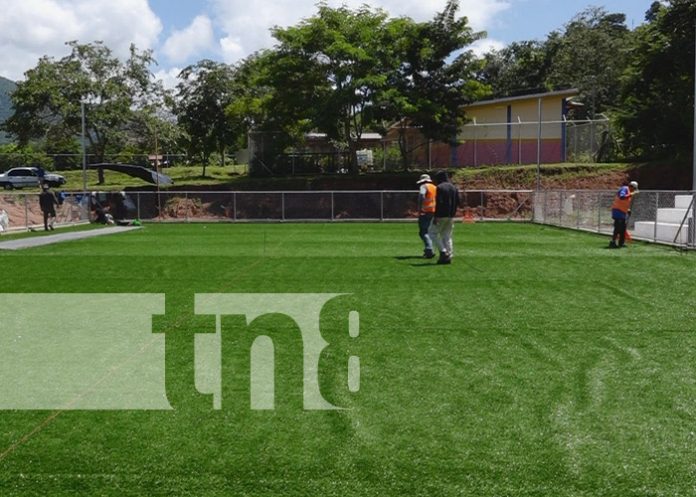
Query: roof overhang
535, 96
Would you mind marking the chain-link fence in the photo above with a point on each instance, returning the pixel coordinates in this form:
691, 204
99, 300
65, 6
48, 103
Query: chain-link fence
514, 142
320, 205
22, 210
523, 142
656, 216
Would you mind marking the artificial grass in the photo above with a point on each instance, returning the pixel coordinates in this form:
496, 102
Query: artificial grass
538, 363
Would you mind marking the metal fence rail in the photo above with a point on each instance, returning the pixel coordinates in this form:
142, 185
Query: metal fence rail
385, 205
279, 206
657, 216
23, 211
665, 217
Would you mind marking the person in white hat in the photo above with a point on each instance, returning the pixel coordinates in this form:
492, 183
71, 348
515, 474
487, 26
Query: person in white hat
426, 212
620, 211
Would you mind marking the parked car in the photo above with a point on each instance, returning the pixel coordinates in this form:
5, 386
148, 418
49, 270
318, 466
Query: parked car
19, 177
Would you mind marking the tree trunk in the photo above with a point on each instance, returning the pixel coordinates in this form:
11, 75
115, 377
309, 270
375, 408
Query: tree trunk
402, 148
352, 149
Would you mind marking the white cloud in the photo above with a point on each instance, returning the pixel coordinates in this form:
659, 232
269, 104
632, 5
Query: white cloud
232, 49
194, 39
481, 47
247, 30
30, 29
482, 13
232, 29
168, 77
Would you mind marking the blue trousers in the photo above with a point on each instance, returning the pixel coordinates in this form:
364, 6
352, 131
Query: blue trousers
424, 221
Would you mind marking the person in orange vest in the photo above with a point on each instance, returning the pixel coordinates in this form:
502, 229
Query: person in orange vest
620, 210
426, 212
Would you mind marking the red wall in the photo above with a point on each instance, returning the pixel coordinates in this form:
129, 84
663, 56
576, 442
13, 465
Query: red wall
492, 152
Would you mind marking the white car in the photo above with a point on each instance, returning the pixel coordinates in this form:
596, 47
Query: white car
19, 177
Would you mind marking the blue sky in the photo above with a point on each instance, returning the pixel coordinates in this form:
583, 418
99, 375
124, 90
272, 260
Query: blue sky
183, 32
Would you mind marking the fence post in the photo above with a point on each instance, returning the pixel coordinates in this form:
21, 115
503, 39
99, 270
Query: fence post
186, 204
657, 206
137, 200
576, 210
575, 143
381, 206
519, 141
332, 206
592, 139
26, 211
560, 208
475, 145
234, 206
481, 206
599, 212
282, 205
692, 225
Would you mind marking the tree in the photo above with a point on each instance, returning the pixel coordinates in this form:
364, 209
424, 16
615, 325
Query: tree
520, 67
47, 104
328, 71
250, 109
591, 55
433, 76
657, 101
204, 94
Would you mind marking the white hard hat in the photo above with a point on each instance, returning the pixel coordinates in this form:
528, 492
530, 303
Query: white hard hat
425, 178
633, 184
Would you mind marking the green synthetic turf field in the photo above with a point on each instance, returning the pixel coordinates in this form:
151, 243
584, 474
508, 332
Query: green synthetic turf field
538, 363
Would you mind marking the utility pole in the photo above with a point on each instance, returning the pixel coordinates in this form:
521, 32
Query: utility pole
84, 153
538, 171
693, 171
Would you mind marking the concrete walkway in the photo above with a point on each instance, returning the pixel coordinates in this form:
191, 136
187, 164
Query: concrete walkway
38, 241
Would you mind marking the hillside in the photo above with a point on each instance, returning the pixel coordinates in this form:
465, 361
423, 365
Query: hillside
652, 176
6, 89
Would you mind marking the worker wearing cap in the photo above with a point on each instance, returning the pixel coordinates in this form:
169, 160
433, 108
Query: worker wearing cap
620, 210
426, 211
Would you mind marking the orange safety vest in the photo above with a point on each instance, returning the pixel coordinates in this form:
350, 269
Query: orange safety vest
428, 205
622, 204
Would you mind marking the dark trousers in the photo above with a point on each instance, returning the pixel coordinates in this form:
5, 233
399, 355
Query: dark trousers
46, 215
619, 231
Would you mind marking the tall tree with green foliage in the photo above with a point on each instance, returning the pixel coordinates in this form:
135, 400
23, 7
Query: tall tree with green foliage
657, 94
250, 109
329, 70
519, 68
591, 55
204, 94
433, 76
47, 104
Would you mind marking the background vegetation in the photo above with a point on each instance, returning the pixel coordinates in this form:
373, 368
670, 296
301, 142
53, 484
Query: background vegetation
343, 72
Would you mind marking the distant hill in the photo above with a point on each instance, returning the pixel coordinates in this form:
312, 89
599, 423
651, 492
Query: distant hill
6, 89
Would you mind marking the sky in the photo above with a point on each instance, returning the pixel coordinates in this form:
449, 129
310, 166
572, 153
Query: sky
183, 32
